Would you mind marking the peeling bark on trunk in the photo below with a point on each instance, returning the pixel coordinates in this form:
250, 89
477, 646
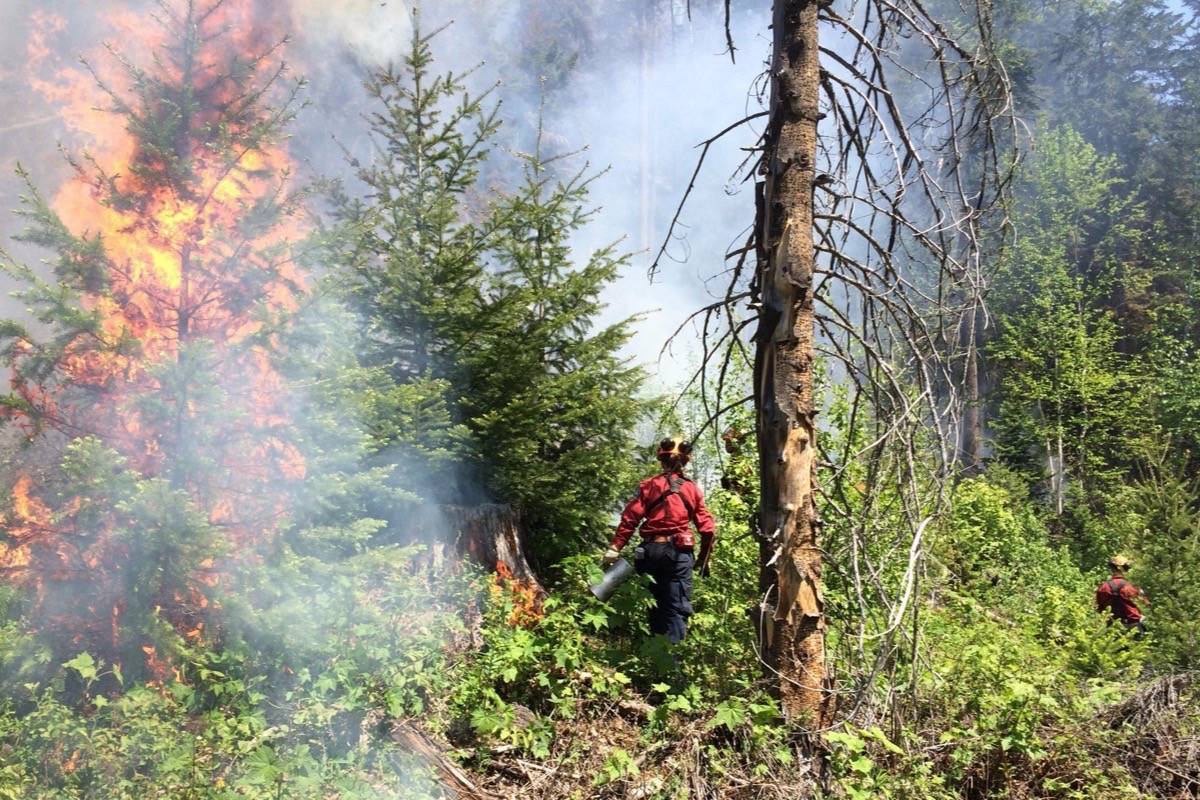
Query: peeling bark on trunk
791, 623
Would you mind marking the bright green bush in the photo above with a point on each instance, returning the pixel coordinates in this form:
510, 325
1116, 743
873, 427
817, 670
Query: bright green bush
997, 550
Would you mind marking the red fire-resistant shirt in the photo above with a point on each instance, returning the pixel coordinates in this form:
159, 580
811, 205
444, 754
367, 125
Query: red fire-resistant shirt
668, 518
1117, 595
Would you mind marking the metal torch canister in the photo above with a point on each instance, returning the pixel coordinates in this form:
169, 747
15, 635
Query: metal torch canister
614, 576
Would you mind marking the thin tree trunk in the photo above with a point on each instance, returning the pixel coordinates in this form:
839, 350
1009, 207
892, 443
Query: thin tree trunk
1060, 486
792, 623
972, 440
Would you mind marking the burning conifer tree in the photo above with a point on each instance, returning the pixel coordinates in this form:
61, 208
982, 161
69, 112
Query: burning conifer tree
152, 372
192, 524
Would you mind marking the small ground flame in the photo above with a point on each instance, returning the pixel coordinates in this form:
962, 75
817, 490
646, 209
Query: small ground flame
524, 596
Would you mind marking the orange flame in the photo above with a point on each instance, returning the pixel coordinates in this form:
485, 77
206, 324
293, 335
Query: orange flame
178, 262
189, 257
28, 509
524, 595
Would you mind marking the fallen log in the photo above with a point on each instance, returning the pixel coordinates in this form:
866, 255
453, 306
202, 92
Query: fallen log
455, 782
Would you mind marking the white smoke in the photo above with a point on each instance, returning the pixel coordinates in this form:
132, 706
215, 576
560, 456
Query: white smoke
374, 30
637, 116
644, 122
639, 110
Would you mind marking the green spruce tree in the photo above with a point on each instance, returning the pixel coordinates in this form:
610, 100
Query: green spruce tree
550, 401
410, 235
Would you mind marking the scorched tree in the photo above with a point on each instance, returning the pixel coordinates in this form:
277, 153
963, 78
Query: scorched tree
159, 445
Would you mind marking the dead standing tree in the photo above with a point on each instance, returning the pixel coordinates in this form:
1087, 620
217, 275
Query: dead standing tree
889, 146
792, 640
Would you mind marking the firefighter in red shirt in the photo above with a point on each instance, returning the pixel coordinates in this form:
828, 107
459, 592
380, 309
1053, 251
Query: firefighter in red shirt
665, 505
1117, 595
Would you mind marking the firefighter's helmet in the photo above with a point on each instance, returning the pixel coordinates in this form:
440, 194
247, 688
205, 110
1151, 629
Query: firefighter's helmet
676, 446
1119, 561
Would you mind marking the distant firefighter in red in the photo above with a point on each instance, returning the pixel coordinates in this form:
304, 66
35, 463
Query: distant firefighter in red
1118, 596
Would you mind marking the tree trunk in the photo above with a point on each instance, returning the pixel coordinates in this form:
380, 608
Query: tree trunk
1060, 477
792, 624
972, 437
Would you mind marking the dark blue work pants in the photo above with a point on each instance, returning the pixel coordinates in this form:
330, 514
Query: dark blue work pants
672, 573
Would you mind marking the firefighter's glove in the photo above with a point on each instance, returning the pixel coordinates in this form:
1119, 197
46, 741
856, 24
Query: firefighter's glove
610, 557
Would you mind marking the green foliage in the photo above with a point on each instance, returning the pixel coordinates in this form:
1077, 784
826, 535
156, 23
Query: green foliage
553, 665
552, 404
866, 764
479, 315
1067, 394
280, 665
1105, 221
997, 550
619, 764
215, 730
408, 260
410, 257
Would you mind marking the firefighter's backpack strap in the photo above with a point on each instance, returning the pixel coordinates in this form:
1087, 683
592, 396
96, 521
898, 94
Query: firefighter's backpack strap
1115, 603
674, 485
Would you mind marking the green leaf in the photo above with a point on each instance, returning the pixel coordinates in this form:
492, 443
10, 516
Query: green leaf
878, 735
730, 715
84, 664
596, 618
862, 765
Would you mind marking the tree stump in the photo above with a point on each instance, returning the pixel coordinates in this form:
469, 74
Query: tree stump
488, 534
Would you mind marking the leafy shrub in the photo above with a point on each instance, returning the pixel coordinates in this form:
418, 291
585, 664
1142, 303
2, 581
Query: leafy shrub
299, 711
997, 550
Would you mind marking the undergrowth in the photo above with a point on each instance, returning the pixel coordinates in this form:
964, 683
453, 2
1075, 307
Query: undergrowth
1019, 690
